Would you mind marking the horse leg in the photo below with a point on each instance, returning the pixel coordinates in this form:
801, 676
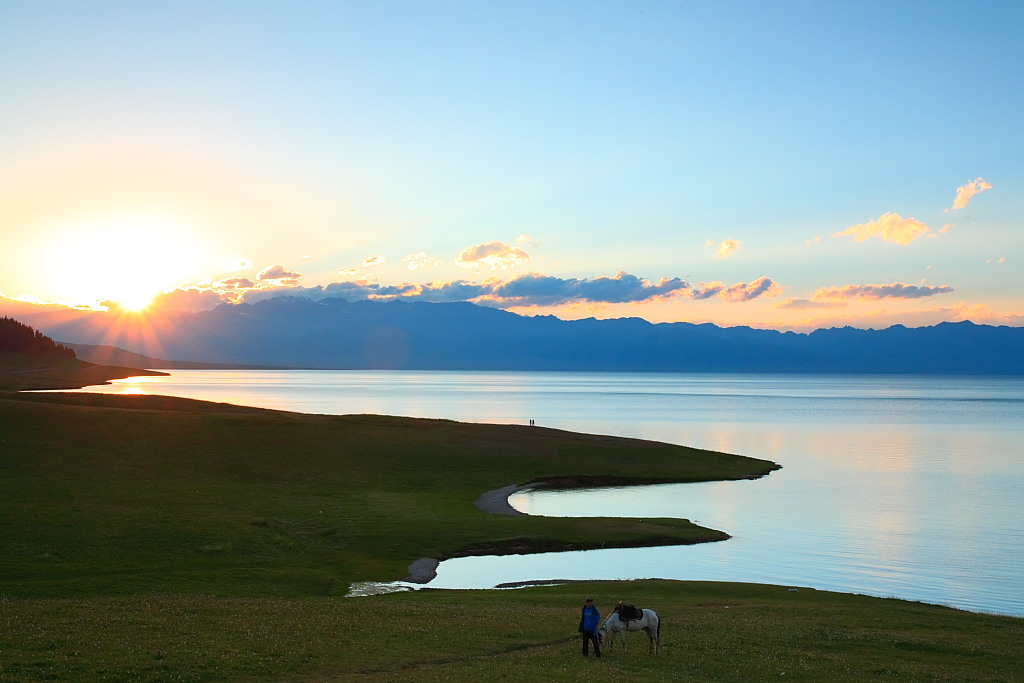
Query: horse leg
654, 639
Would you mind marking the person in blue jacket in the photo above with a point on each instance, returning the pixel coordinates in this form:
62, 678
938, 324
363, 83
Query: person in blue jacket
590, 621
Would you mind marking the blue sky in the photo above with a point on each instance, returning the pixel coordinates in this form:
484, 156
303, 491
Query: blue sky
777, 164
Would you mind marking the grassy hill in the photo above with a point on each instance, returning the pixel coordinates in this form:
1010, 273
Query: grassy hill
122, 494
147, 538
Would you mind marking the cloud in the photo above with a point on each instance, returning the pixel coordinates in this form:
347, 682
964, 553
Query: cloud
725, 248
421, 259
526, 239
370, 261
544, 290
279, 274
729, 247
529, 290
895, 290
235, 283
739, 292
185, 300
965, 192
236, 262
763, 286
494, 255
890, 227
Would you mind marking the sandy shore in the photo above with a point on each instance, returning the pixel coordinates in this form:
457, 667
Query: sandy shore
496, 501
424, 570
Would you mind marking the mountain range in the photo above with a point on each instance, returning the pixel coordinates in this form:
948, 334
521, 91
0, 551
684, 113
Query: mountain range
335, 333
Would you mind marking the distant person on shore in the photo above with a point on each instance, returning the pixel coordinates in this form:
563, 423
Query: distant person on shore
590, 620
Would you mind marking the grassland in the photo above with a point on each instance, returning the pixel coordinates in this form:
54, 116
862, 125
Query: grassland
127, 494
711, 632
157, 539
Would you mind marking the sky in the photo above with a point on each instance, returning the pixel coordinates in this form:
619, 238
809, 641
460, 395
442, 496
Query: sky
787, 165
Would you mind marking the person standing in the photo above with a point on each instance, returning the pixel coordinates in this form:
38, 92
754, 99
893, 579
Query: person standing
590, 621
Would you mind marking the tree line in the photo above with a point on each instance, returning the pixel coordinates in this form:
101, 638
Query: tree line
17, 337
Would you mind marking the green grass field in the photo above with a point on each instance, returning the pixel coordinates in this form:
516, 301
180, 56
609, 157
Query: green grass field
711, 632
157, 539
131, 494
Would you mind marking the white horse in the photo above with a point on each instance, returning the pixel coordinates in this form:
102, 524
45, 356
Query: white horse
650, 623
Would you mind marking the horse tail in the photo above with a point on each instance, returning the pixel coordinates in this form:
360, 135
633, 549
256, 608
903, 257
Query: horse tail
659, 627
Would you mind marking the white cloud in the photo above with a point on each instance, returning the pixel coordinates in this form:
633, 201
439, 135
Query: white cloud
729, 247
420, 260
890, 227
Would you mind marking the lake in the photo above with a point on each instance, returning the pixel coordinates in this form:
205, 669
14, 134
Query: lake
901, 486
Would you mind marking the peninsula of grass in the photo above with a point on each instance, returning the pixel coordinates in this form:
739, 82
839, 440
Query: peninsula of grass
115, 494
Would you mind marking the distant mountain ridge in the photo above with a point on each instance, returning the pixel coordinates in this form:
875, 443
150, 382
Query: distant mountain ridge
111, 355
338, 334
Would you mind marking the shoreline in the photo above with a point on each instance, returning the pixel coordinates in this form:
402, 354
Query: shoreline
424, 570
496, 501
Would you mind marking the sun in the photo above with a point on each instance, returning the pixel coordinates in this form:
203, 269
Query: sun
127, 260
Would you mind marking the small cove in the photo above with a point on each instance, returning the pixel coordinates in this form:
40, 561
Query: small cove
893, 486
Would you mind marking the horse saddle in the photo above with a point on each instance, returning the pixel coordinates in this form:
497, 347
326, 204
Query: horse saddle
629, 612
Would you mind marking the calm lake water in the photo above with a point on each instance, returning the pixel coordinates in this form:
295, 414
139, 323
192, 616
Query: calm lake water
898, 486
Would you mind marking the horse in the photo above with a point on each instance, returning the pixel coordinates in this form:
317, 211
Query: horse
649, 622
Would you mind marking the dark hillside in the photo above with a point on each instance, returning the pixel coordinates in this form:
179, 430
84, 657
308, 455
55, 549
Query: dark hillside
16, 337
31, 360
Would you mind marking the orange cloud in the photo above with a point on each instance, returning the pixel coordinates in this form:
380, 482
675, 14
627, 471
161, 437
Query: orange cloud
181, 300
965, 192
741, 291
279, 274
890, 227
728, 247
494, 255
763, 286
